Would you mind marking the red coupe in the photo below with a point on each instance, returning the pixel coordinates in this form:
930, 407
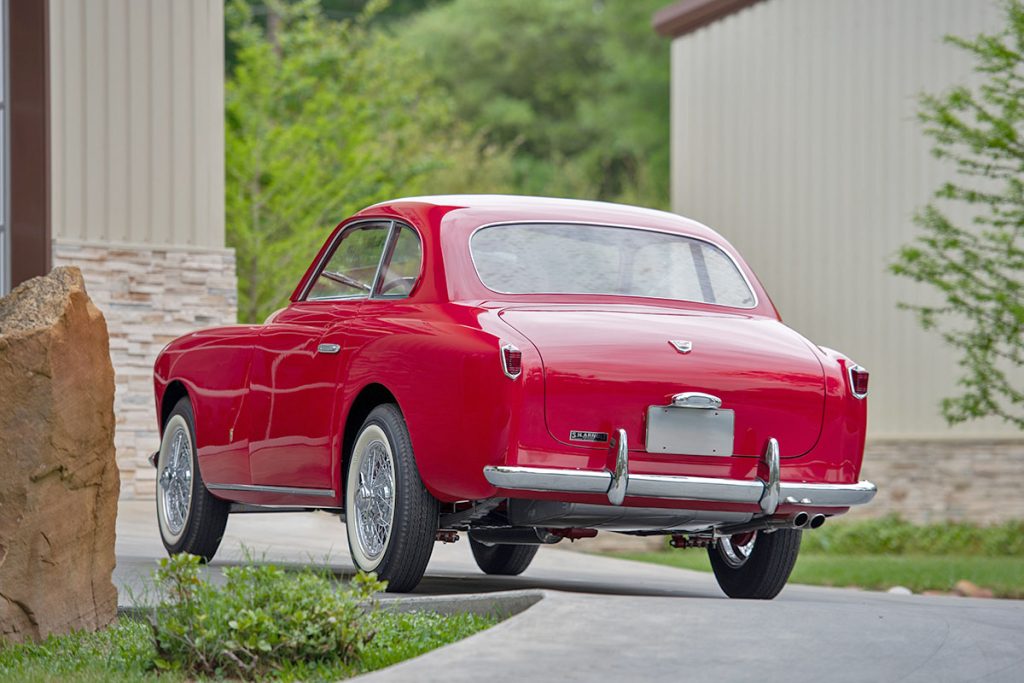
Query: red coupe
524, 370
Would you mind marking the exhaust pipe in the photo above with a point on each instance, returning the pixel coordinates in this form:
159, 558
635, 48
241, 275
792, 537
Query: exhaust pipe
514, 536
797, 521
816, 521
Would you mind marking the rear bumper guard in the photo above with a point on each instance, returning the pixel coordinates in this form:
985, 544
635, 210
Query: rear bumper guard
620, 483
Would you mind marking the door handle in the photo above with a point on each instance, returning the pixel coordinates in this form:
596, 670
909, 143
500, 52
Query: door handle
328, 348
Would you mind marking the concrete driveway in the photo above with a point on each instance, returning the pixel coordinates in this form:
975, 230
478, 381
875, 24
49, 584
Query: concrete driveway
606, 619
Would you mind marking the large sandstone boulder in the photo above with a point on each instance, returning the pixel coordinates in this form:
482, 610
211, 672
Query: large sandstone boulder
58, 477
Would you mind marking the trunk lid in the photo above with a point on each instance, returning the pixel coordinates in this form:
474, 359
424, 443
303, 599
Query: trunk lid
604, 367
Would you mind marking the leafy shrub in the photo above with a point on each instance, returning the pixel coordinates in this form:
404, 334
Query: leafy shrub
894, 536
262, 621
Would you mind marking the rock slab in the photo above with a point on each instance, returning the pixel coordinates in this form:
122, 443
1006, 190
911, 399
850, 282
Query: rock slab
58, 475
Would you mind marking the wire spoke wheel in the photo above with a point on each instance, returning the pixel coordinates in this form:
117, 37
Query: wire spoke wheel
174, 482
375, 501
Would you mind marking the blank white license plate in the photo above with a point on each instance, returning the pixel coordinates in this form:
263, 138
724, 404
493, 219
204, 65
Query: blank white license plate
690, 431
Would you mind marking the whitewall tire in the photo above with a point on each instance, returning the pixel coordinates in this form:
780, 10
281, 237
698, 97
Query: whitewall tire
390, 517
191, 519
371, 488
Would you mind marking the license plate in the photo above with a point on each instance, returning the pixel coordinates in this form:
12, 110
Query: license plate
690, 431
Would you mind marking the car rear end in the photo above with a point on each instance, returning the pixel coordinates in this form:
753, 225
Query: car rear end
659, 391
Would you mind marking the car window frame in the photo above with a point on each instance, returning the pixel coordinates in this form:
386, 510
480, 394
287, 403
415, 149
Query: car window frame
393, 228
602, 224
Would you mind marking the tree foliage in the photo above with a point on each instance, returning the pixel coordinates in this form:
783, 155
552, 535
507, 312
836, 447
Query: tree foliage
325, 117
976, 265
577, 88
322, 119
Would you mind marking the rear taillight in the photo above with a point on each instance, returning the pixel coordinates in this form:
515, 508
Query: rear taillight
511, 361
858, 381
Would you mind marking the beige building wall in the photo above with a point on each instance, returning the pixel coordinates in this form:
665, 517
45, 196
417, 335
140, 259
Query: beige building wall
137, 121
137, 186
794, 134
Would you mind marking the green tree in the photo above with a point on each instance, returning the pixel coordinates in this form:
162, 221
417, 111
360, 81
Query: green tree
976, 265
326, 118
578, 88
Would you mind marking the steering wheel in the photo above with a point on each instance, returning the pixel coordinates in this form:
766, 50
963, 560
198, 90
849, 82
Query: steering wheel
398, 282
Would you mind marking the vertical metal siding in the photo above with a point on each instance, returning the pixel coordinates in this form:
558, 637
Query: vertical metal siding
794, 135
137, 88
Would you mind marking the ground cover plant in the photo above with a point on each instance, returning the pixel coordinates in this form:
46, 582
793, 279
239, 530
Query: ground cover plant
882, 553
263, 623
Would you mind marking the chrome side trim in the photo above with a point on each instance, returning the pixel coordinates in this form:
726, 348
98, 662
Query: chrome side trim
261, 488
677, 487
770, 499
620, 477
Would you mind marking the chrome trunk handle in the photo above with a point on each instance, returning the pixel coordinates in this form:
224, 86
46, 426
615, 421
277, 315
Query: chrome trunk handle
696, 399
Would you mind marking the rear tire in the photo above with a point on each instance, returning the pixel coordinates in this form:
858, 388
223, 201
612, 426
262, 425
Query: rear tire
390, 517
502, 559
191, 519
756, 569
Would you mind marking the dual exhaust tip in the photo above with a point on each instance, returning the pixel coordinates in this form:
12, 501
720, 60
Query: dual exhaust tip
802, 520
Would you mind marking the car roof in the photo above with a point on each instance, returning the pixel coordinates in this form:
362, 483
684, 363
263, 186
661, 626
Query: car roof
501, 208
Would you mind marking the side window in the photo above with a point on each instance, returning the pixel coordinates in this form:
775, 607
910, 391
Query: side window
351, 269
402, 266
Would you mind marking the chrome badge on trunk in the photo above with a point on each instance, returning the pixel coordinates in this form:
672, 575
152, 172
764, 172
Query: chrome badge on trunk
590, 437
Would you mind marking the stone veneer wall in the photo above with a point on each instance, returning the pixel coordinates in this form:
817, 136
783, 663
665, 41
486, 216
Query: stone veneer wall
934, 481
149, 296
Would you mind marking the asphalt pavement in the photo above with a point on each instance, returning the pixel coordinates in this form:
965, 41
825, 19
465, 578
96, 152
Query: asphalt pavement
601, 619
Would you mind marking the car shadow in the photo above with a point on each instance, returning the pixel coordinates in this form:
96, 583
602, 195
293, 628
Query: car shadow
436, 583
440, 582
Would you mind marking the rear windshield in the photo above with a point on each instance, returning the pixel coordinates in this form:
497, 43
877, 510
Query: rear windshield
552, 258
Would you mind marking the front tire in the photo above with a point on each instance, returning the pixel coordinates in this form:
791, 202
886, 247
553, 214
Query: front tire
756, 565
191, 519
390, 517
502, 559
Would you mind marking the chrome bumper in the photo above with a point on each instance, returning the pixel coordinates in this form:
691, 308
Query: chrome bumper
620, 483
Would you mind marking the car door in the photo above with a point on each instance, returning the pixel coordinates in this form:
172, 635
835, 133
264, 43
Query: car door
298, 360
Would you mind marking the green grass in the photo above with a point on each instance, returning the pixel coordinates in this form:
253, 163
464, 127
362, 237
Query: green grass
1003, 575
124, 652
893, 536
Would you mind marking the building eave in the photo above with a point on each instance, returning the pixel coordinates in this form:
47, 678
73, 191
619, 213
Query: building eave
687, 16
